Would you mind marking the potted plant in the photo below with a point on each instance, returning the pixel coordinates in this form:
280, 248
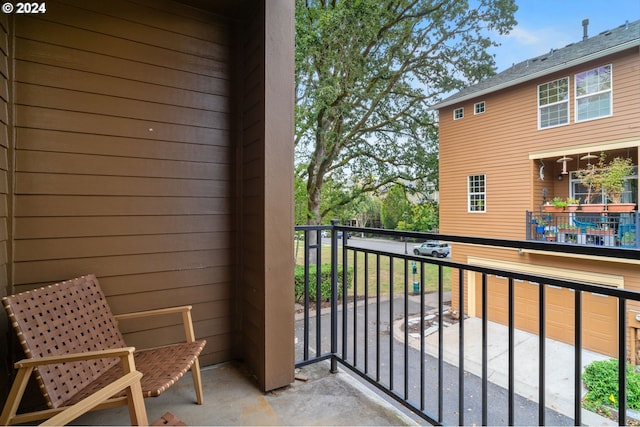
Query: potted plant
550, 236
556, 205
613, 176
628, 239
572, 204
541, 223
591, 178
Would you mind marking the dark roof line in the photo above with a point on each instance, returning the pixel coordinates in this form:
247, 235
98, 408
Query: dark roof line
606, 43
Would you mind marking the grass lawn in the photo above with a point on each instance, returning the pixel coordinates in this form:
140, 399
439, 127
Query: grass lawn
430, 272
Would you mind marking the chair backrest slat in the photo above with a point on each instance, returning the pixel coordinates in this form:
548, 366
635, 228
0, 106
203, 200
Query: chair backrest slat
68, 317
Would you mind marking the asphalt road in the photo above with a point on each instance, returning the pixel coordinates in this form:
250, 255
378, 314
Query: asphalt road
379, 244
400, 367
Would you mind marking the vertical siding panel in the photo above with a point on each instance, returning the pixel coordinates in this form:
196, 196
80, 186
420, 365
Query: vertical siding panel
252, 263
4, 195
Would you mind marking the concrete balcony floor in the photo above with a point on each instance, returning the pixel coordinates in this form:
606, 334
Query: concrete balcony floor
233, 399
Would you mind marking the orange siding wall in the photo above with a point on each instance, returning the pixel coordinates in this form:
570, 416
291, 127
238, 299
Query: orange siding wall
498, 142
124, 160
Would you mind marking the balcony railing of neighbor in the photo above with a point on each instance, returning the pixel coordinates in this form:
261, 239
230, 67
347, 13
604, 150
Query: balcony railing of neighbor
583, 228
363, 295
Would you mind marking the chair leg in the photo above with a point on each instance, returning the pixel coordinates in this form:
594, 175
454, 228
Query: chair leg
137, 410
197, 381
15, 395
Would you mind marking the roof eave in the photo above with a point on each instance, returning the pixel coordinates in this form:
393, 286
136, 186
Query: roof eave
606, 52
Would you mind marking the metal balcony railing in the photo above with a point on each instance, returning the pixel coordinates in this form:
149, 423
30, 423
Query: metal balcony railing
582, 228
358, 311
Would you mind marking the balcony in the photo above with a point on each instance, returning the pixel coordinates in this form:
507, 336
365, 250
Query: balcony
367, 335
606, 229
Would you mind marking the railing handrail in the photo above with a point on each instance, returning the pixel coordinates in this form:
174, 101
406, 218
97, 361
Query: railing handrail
610, 252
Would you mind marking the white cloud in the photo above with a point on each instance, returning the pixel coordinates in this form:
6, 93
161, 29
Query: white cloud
521, 44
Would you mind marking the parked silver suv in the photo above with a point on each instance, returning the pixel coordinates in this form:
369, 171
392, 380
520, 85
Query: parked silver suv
435, 248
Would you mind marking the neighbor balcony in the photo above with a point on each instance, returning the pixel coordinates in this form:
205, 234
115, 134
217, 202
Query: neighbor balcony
605, 228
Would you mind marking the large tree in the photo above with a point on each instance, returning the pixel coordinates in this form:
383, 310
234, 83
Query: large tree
367, 72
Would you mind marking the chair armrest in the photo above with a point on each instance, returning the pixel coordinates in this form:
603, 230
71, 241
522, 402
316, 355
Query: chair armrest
185, 310
130, 380
74, 357
149, 313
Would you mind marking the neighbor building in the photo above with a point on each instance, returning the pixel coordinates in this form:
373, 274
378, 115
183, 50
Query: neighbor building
515, 141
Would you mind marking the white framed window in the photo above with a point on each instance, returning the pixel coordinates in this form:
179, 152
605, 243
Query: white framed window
476, 193
593, 94
553, 103
478, 107
458, 113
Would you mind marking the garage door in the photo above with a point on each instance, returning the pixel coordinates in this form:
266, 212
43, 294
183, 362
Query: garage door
599, 312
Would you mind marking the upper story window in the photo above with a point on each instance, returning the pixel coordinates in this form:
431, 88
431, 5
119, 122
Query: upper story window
476, 193
478, 107
553, 103
458, 113
593, 93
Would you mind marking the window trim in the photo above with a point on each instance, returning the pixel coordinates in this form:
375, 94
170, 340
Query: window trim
455, 111
479, 193
476, 105
576, 97
554, 103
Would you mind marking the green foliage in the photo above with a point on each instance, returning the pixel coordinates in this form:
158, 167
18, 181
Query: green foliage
395, 207
325, 282
558, 202
423, 217
367, 72
613, 177
601, 379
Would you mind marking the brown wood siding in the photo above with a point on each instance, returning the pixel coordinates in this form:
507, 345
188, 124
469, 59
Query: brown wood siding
125, 160
4, 198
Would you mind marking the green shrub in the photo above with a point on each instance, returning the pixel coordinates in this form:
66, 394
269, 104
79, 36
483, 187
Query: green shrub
325, 282
601, 379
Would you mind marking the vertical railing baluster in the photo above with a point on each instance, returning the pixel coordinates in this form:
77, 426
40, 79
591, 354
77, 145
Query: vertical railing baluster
577, 363
485, 355
461, 347
440, 345
366, 313
345, 308
378, 317
422, 338
355, 307
307, 302
319, 295
622, 361
334, 297
391, 316
542, 336
511, 352
406, 328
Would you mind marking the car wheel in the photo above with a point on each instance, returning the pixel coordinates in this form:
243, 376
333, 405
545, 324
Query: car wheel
434, 254
416, 252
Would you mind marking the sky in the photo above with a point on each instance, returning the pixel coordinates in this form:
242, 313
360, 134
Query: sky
552, 24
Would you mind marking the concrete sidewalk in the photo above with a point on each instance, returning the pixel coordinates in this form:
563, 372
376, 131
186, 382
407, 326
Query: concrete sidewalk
559, 365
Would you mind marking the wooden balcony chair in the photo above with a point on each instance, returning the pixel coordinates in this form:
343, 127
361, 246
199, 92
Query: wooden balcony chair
72, 342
